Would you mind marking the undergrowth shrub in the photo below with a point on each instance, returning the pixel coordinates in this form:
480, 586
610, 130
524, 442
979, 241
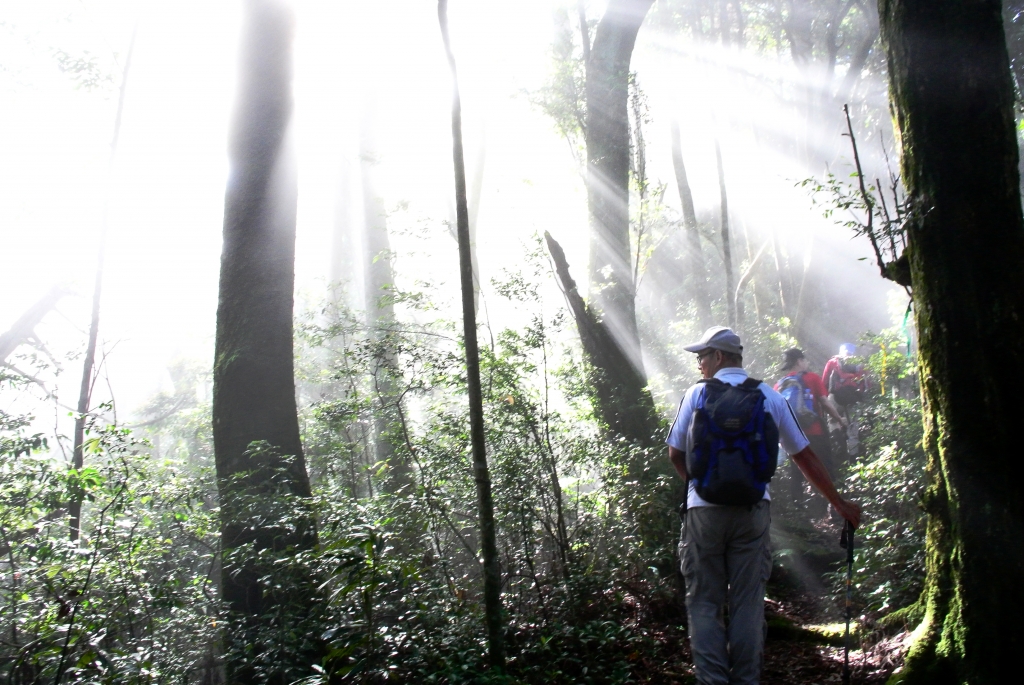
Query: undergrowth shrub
888, 480
133, 600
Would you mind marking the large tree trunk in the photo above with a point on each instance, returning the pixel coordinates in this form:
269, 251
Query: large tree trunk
481, 472
694, 252
953, 102
261, 486
623, 402
611, 279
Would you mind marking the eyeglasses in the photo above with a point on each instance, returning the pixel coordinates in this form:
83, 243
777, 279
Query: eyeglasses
704, 355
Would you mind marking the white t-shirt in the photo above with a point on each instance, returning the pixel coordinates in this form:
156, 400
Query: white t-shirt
791, 436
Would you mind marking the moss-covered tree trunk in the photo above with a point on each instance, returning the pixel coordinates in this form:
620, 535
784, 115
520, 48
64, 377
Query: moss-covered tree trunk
607, 324
953, 102
261, 473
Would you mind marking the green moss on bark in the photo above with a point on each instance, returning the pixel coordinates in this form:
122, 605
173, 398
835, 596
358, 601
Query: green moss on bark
952, 101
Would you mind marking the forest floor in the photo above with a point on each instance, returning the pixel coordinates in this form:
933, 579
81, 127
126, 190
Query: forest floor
806, 624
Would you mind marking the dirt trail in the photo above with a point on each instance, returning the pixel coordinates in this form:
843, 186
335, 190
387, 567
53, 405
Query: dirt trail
805, 623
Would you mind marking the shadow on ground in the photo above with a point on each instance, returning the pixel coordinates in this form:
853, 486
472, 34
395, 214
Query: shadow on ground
806, 617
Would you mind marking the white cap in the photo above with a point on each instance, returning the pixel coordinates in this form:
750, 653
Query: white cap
717, 338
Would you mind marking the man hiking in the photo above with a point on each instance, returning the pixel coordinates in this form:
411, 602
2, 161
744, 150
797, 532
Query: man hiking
806, 395
724, 443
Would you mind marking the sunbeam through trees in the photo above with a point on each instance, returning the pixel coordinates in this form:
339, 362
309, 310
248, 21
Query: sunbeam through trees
449, 342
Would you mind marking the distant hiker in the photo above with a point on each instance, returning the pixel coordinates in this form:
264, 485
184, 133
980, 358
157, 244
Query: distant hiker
847, 384
806, 394
845, 379
724, 443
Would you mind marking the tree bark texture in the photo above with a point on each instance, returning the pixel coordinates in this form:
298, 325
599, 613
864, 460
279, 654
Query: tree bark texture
481, 472
622, 399
254, 387
952, 98
608, 158
694, 252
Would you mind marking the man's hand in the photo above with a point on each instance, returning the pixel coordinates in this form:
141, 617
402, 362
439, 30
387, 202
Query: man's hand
849, 510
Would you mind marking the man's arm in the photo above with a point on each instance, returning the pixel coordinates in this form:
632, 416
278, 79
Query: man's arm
830, 366
678, 459
814, 471
817, 386
832, 409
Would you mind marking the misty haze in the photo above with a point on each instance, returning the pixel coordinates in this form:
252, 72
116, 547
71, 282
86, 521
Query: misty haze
550, 341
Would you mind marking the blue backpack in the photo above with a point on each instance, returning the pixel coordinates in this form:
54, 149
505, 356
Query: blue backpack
800, 398
732, 443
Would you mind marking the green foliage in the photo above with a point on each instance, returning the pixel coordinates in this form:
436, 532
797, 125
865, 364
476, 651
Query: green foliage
889, 481
399, 557
891, 364
132, 601
563, 98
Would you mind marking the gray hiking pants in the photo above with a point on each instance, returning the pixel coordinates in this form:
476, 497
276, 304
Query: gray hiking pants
726, 559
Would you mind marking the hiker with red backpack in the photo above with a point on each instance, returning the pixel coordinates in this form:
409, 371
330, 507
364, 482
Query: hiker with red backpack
724, 443
845, 379
847, 385
807, 396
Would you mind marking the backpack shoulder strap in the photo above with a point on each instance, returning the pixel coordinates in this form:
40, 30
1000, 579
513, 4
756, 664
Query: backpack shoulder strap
751, 384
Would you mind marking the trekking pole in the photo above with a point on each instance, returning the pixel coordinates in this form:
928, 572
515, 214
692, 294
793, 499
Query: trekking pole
846, 541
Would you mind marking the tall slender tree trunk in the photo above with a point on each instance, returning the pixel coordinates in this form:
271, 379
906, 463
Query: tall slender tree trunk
952, 97
342, 261
779, 273
730, 286
475, 192
608, 161
379, 284
88, 364
694, 252
799, 329
261, 472
741, 23
481, 472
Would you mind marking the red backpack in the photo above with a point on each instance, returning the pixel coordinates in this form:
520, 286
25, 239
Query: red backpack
847, 382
